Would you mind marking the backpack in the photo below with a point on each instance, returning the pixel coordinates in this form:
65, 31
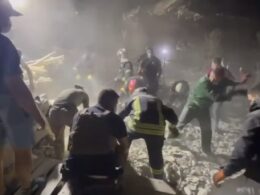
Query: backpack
91, 134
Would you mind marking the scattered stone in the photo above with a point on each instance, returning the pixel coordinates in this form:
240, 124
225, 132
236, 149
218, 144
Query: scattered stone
186, 168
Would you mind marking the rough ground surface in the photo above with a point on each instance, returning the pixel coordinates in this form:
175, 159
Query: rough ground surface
186, 168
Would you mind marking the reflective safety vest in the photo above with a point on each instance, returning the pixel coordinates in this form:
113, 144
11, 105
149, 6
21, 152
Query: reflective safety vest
146, 116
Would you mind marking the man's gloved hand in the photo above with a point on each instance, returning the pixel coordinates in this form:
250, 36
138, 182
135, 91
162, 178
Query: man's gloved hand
173, 132
219, 177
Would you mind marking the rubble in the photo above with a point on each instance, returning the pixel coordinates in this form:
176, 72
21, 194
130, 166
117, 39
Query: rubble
186, 168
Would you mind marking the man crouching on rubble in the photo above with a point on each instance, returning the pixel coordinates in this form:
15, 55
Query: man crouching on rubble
246, 155
98, 143
61, 114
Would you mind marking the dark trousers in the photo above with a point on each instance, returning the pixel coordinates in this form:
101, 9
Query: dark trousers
203, 116
154, 146
153, 86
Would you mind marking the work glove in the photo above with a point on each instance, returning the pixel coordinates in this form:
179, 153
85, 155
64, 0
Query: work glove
173, 132
219, 177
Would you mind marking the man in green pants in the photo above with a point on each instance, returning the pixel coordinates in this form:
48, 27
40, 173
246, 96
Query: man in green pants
200, 102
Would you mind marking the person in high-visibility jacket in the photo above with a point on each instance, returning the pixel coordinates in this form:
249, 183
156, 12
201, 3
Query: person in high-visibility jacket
146, 117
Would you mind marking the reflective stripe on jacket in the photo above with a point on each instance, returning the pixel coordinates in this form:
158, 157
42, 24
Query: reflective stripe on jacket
147, 116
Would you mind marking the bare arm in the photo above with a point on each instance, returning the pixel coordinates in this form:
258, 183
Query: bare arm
85, 101
23, 97
30, 75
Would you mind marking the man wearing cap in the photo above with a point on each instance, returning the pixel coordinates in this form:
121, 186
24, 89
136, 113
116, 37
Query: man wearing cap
17, 107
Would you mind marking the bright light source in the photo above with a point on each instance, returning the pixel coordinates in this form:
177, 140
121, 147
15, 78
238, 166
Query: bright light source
19, 4
165, 51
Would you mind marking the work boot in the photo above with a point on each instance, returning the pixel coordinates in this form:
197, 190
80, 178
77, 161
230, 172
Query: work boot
37, 184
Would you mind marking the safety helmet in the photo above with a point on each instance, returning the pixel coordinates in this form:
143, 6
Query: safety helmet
180, 87
134, 83
121, 51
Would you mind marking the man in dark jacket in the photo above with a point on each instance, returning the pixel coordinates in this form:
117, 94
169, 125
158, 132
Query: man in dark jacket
246, 155
62, 112
146, 120
98, 141
151, 69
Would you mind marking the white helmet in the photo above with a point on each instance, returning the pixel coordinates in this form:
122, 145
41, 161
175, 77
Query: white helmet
121, 52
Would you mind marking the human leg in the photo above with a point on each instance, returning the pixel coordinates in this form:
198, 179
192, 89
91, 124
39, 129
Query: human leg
19, 130
23, 166
186, 116
2, 142
154, 147
206, 131
58, 127
2, 186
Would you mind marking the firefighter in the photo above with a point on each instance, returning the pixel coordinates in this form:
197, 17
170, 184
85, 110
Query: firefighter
246, 155
61, 114
147, 116
151, 69
133, 83
126, 69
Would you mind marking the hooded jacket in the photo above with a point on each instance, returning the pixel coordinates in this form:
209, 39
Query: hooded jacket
246, 154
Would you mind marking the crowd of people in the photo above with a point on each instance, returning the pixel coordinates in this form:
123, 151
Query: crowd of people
100, 138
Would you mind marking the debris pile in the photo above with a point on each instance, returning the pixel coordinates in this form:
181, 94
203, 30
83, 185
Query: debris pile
186, 167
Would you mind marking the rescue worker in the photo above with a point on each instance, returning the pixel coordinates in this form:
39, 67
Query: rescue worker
135, 82
151, 69
228, 81
199, 104
98, 142
62, 112
146, 116
179, 93
17, 109
246, 155
126, 69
